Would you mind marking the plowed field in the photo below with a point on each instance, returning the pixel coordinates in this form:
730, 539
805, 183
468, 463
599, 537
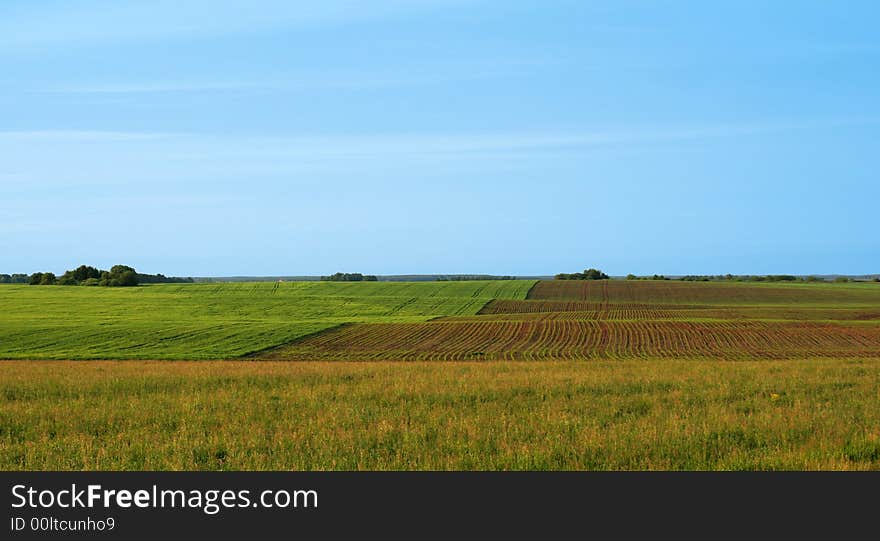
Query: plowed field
626, 320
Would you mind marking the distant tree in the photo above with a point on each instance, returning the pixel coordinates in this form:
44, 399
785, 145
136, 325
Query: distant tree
119, 276
47, 279
595, 274
349, 277
119, 269
67, 279
781, 278
84, 272
588, 274
123, 276
632, 277
841, 279
128, 279
42, 279
162, 279
15, 279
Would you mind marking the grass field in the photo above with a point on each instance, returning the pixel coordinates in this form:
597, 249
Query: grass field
135, 415
671, 376
215, 321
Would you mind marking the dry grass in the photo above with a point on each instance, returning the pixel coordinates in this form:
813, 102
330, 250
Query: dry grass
624, 415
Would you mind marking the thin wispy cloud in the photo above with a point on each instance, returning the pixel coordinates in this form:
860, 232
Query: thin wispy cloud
87, 22
81, 136
99, 158
353, 81
377, 145
431, 143
404, 76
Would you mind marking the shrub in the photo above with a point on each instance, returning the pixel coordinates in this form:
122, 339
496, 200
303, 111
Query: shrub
42, 279
588, 274
348, 277
67, 280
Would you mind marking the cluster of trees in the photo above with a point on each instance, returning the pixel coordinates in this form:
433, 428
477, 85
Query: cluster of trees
162, 279
349, 277
14, 279
589, 274
655, 277
465, 277
707, 278
43, 279
86, 275
749, 278
742, 278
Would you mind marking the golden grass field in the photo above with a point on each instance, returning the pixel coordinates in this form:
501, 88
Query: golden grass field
605, 415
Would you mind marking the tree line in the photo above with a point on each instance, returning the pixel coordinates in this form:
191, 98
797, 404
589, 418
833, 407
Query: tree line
86, 275
15, 278
468, 277
595, 274
654, 277
349, 277
757, 278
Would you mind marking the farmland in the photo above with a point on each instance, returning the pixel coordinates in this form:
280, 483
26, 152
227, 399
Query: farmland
468, 320
580, 340
134, 415
517, 375
215, 321
708, 293
581, 320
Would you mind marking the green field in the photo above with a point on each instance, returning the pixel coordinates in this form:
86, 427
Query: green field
216, 321
420, 319
619, 375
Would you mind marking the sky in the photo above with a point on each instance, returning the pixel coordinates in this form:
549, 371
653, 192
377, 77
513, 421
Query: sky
274, 137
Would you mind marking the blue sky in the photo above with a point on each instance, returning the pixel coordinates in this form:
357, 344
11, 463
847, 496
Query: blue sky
271, 137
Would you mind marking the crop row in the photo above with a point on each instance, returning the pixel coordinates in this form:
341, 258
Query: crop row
580, 339
538, 309
696, 293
